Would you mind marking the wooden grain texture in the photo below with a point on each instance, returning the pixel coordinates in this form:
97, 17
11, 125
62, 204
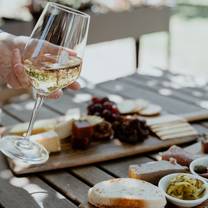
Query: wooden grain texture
119, 168
31, 191
91, 174
68, 185
169, 104
63, 105
86, 176
7, 120
23, 111
192, 95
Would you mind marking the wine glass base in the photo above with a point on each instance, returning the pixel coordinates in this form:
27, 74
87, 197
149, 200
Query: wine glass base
24, 150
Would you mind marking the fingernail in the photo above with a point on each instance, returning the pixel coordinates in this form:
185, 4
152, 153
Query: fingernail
9, 86
18, 65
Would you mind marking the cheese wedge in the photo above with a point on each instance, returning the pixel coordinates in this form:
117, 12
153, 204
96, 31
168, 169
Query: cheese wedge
64, 129
39, 127
50, 140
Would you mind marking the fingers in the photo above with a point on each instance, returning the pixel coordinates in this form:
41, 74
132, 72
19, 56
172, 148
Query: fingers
17, 77
56, 95
12, 81
59, 93
74, 86
18, 69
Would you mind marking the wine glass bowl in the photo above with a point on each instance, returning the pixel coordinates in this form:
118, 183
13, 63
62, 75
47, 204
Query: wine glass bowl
51, 74
52, 59
53, 56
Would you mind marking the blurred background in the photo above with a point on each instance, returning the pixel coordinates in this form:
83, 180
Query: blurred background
129, 35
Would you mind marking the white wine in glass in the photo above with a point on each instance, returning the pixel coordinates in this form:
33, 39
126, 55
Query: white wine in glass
52, 60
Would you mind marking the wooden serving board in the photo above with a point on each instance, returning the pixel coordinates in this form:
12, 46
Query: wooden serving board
99, 152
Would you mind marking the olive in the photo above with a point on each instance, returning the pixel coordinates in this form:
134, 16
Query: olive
200, 169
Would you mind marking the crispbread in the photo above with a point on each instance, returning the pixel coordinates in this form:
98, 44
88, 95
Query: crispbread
126, 193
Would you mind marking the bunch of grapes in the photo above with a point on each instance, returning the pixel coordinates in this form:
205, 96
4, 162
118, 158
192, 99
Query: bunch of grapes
104, 108
130, 130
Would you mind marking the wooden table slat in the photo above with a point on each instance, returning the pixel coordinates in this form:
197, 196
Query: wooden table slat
30, 191
91, 174
72, 187
169, 104
181, 93
23, 111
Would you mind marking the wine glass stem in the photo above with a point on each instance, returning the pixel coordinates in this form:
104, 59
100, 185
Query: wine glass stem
38, 104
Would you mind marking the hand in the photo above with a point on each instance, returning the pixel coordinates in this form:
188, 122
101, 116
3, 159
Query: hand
11, 67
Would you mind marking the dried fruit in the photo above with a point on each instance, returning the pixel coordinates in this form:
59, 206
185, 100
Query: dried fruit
103, 131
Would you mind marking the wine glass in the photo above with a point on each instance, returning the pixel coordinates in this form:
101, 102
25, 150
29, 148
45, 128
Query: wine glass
52, 59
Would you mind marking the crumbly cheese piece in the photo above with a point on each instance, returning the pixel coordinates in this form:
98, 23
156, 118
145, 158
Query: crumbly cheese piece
50, 140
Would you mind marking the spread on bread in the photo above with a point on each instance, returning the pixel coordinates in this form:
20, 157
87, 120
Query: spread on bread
154, 171
186, 188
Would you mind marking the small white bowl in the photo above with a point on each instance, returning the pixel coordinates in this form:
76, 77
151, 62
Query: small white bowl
199, 161
163, 185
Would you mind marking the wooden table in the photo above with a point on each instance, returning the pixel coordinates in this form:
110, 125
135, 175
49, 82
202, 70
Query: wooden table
68, 188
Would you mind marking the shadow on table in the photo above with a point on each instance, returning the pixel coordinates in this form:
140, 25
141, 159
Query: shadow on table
24, 192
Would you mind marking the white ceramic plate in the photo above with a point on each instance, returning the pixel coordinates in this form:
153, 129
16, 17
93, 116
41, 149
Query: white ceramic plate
164, 182
199, 161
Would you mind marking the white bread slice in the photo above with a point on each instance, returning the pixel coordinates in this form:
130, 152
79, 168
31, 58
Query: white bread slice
126, 193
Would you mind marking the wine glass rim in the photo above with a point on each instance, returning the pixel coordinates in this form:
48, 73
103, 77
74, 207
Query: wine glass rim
68, 9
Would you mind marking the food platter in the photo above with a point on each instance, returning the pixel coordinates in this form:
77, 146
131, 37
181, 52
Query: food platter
97, 151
